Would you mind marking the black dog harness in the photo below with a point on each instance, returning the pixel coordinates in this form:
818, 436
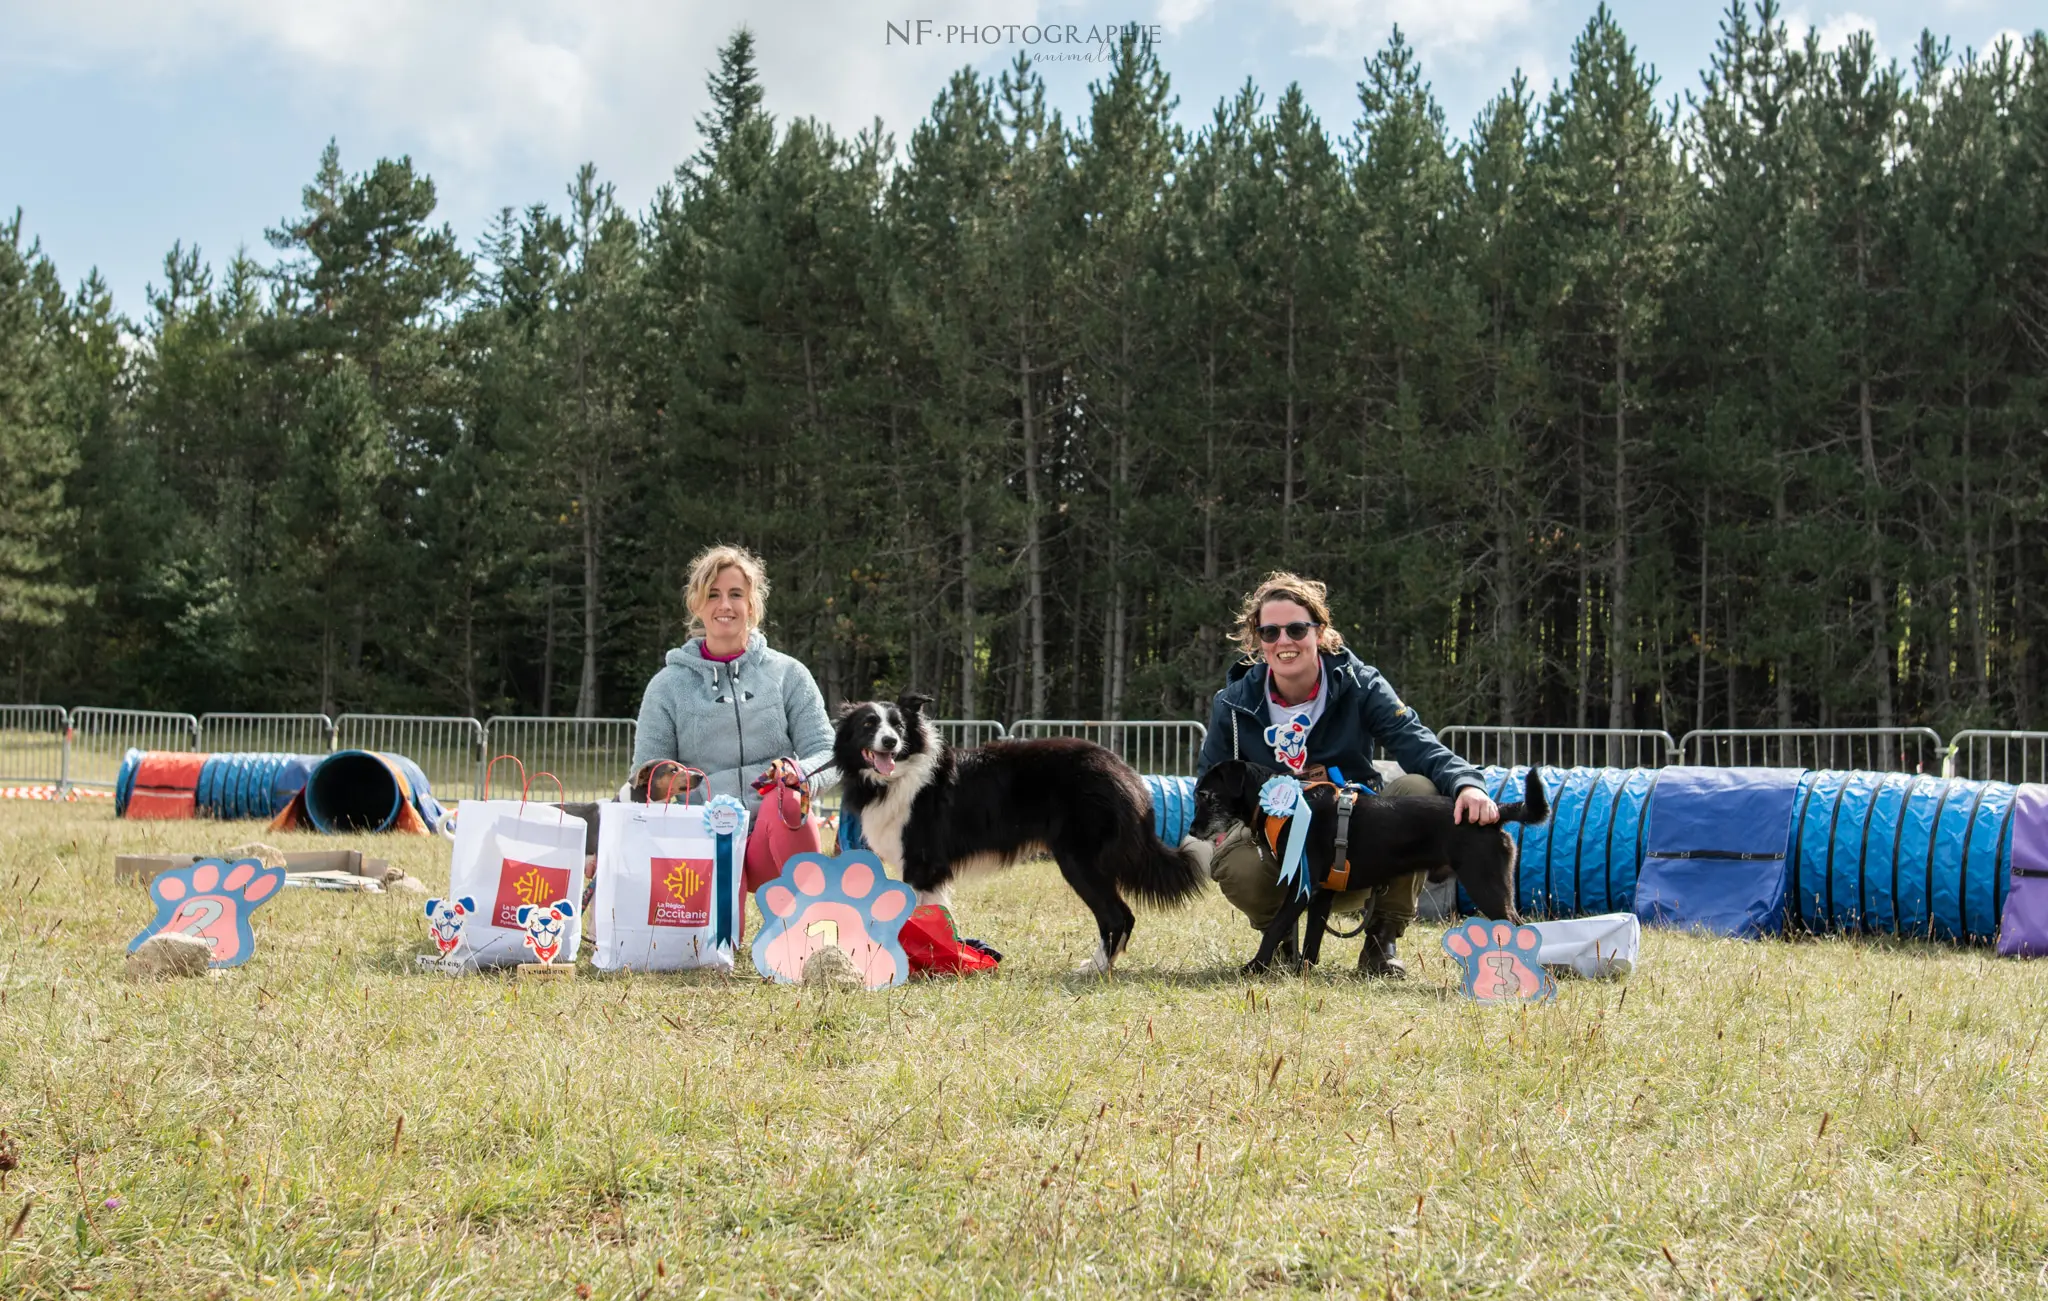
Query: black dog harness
1340, 863
1340, 867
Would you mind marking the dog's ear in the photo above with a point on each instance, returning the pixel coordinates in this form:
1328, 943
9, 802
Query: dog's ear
846, 710
641, 783
912, 703
1244, 781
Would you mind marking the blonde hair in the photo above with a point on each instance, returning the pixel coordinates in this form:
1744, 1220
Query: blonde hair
704, 572
1283, 586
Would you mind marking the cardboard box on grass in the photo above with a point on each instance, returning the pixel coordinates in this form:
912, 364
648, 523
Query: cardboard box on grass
352, 862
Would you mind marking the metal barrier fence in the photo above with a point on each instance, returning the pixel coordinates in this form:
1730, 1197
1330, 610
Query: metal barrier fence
1867, 749
963, 733
1997, 756
591, 756
32, 745
450, 751
1561, 747
266, 733
1168, 748
100, 738
84, 747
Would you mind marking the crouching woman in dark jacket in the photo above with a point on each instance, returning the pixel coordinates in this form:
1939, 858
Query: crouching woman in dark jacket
1298, 671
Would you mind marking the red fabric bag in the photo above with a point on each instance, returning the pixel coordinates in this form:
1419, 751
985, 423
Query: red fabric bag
934, 949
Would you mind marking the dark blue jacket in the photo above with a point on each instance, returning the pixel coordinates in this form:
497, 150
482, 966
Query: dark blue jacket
1362, 712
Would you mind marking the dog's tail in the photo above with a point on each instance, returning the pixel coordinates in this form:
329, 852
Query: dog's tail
1535, 805
1160, 874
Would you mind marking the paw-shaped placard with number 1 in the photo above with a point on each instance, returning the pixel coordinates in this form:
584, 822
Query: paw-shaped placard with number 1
841, 902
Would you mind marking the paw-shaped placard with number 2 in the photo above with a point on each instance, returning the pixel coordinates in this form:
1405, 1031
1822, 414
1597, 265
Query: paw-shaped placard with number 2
212, 899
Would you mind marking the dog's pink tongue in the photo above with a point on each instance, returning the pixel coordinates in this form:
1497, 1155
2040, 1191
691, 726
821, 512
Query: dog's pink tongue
884, 763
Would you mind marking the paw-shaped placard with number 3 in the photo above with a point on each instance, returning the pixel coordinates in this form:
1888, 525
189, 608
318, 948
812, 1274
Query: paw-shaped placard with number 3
1500, 962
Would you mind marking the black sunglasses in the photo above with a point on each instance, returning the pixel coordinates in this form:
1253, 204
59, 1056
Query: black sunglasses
1270, 632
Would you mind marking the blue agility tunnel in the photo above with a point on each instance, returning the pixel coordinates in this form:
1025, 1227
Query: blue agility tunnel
1173, 806
1714, 857
1901, 854
1585, 858
251, 785
366, 790
1864, 852
224, 785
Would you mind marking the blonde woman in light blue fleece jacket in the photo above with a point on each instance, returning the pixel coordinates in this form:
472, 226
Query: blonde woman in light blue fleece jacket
726, 704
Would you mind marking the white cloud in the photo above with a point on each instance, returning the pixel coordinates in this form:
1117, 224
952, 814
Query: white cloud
1177, 14
1432, 26
474, 86
2012, 34
1836, 29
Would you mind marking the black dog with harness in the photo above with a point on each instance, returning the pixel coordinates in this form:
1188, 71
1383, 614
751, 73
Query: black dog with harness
1355, 844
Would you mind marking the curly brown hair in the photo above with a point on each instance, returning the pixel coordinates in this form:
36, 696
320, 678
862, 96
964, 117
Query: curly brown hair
1283, 586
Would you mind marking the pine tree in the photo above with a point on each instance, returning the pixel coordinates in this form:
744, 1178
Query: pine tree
38, 437
1606, 170
1122, 171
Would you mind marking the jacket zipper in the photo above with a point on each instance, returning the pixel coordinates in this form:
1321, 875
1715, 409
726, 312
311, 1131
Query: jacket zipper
737, 726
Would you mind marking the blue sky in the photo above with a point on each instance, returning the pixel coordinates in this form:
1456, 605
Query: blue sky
133, 123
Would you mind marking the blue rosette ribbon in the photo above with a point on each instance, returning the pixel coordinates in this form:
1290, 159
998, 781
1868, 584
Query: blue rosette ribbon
726, 819
1281, 797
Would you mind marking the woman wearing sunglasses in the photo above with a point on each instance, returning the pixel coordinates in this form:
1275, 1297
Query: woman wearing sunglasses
1303, 704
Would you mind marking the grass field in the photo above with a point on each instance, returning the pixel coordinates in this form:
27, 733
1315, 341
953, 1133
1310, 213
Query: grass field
1777, 1119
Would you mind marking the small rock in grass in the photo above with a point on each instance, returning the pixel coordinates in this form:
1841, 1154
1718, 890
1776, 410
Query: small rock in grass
399, 882
268, 855
168, 955
832, 968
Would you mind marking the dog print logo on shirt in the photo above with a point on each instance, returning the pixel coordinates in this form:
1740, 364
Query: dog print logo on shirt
520, 884
1290, 742
546, 927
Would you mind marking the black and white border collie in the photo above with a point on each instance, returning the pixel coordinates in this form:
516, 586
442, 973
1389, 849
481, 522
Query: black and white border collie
933, 812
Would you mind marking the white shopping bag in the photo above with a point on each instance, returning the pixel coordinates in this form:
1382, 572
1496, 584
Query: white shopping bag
1605, 945
668, 885
508, 853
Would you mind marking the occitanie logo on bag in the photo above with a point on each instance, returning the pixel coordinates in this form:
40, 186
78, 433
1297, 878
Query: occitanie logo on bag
681, 894
520, 883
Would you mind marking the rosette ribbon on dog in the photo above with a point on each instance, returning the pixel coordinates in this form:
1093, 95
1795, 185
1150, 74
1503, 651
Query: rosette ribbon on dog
1281, 798
1290, 742
724, 816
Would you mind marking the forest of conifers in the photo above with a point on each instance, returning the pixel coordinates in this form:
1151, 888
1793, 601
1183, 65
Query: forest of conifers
1714, 402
